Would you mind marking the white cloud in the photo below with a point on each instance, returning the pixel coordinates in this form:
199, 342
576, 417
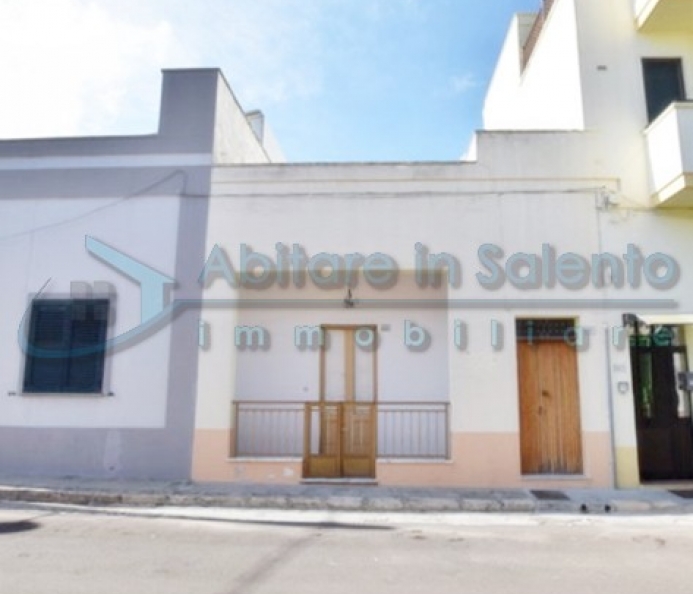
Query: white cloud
270, 50
460, 84
72, 67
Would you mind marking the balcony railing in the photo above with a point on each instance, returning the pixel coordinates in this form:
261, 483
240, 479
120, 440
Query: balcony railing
268, 429
669, 141
413, 430
275, 429
535, 31
664, 16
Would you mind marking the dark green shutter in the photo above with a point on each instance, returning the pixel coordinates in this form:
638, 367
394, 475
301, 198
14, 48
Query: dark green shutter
66, 346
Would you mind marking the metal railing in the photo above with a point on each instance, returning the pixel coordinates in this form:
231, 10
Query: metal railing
413, 430
268, 429
535, 31
405, 430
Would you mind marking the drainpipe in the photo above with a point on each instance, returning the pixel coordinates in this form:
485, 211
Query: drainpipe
612, 423
602, 203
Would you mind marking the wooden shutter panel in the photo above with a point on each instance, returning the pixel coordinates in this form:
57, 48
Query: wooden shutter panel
87, 339
49, 342
66, 346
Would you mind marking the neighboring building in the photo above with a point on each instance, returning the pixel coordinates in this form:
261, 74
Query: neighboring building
64, 202
518, 318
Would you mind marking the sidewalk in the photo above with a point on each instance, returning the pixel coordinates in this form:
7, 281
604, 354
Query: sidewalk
89, 492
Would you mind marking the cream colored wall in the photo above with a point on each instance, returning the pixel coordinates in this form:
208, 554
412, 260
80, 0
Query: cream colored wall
283, 371
217, 365
585, 71
458, 213
523, 189
657, 231
614, 97
547, 95
348, 208
586, 74
612, 50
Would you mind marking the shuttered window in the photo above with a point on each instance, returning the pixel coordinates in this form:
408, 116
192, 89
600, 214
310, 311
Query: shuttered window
66, 344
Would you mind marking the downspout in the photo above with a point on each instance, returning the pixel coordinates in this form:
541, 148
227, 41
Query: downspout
612, 423
602, 202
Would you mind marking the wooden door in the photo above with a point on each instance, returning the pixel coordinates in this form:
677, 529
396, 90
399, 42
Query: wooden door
341, 429
550, 433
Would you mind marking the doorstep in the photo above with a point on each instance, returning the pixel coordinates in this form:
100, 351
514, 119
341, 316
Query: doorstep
345, 481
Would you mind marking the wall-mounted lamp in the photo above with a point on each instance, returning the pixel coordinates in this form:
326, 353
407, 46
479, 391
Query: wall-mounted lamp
606, 199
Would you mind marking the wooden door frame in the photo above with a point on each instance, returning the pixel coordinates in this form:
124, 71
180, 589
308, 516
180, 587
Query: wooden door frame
339, 468
349, 357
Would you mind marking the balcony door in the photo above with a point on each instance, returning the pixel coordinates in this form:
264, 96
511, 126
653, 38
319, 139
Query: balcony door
340, 438
663, 79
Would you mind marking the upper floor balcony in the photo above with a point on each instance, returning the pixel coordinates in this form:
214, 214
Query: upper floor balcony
670, 146
664, 16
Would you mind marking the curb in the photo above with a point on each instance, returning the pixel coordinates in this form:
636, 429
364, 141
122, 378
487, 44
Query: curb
387, 503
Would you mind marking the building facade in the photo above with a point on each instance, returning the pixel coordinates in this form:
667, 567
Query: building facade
516, 318
109, 391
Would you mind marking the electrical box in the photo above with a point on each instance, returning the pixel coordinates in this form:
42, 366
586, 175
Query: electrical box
686, 381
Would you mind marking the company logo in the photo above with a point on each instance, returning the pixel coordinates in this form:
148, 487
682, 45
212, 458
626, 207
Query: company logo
292, 266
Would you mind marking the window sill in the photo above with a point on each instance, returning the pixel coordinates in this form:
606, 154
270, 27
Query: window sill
62, 394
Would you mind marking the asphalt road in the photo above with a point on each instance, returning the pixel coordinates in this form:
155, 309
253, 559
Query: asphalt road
249, 552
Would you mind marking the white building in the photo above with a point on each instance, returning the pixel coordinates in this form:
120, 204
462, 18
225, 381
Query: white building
65, 203
466, 323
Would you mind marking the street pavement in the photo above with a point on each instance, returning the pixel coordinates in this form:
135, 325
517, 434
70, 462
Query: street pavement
345, 497
60, 549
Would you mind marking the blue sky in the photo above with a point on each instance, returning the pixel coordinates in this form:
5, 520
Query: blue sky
339, 80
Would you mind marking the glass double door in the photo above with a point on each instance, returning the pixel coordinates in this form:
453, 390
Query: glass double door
662, 410
340, 438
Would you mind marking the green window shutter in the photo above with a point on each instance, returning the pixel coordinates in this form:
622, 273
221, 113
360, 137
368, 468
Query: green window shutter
66, 346
87, 339
49, 338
